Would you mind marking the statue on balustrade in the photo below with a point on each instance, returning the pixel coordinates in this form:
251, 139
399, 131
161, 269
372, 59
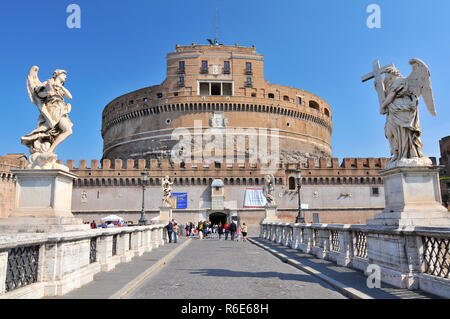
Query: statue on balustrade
269, 182
167, 190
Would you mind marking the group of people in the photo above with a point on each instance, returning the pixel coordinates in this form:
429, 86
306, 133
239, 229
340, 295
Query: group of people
108, 224
204, 229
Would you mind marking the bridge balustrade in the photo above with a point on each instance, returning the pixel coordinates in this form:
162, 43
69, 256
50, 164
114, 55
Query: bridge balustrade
45, 265
416, 258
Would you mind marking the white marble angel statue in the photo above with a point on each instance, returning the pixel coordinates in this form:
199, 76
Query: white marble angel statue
399, 100
53, 125
167, 189
269, 181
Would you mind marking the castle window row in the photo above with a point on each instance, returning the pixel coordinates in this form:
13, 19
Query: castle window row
292, 184
211, 107
213, 88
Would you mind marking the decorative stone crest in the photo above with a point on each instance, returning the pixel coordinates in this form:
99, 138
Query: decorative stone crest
218, 120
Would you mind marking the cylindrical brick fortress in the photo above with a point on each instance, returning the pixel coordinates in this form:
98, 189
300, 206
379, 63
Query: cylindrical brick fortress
223, 87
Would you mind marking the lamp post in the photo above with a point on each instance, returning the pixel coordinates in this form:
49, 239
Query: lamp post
143, 221
300, 219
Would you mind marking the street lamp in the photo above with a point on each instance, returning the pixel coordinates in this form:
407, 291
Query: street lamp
300, 219
143, 221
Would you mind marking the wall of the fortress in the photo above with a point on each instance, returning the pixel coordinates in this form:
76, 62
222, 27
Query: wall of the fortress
8, 182
347, 192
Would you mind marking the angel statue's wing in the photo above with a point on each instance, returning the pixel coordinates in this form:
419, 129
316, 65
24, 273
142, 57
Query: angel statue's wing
32, 83
419, 82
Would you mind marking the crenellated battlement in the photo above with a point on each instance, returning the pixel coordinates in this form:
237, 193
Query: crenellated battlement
120, 172
166, 164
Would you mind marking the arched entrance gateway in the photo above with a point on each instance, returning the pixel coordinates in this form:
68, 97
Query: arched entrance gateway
215, 218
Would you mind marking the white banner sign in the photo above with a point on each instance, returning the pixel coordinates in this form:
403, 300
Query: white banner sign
254, 198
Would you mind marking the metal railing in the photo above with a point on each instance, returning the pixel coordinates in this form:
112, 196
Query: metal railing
22, 267
436, 256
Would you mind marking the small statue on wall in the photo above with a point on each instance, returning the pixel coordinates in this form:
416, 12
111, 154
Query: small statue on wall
167, 190
269, 182
53, 125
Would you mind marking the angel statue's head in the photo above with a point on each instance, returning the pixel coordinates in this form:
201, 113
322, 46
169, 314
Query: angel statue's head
62, 74
392, 73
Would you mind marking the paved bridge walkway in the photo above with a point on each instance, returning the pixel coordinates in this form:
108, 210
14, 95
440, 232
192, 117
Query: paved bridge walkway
213, 269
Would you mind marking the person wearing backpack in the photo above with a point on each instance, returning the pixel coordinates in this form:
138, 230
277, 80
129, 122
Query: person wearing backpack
169, 228
232, 230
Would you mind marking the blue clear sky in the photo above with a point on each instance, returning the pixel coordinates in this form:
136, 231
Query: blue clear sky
320, 46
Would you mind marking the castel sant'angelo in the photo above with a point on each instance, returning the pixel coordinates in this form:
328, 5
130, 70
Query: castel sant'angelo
218, 90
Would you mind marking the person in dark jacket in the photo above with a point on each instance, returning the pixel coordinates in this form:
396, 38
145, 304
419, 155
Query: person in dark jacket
169, 228
220, 230
233, 230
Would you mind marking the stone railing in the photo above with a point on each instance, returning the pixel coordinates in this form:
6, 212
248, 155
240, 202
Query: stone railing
416, 258
45, 265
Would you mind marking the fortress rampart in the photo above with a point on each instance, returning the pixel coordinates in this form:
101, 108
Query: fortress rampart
128, 172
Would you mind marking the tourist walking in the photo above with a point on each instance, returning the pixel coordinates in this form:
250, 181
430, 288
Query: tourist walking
238, 233
200, 230
227, 230
169, 228
244, 232
205, 229
232, 230
175, 233
220, 230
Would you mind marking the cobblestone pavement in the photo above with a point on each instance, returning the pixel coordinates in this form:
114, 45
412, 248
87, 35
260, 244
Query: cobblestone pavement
213, 269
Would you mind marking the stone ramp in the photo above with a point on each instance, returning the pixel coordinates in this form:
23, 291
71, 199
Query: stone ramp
350, 282
126, 276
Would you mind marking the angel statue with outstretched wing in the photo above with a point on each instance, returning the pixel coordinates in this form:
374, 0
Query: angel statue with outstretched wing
269, 181
54, 125
400, 106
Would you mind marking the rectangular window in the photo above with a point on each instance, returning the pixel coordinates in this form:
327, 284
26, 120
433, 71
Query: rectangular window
227, 89
181, 66
204, 88
299, 100
226, 67
216, 89
248, 67
204, 67
181, 81
375, 191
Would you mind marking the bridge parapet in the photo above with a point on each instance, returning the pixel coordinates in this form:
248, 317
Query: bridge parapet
416, 258
30, 257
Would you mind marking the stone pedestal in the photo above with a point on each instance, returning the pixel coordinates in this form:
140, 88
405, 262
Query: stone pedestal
165, 215
43, 203
413, 198
271, 214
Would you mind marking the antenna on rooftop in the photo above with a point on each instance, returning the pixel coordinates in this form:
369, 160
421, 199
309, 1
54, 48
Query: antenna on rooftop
216, 40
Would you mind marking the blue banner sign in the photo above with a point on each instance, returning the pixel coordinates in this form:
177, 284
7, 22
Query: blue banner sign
182, 199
